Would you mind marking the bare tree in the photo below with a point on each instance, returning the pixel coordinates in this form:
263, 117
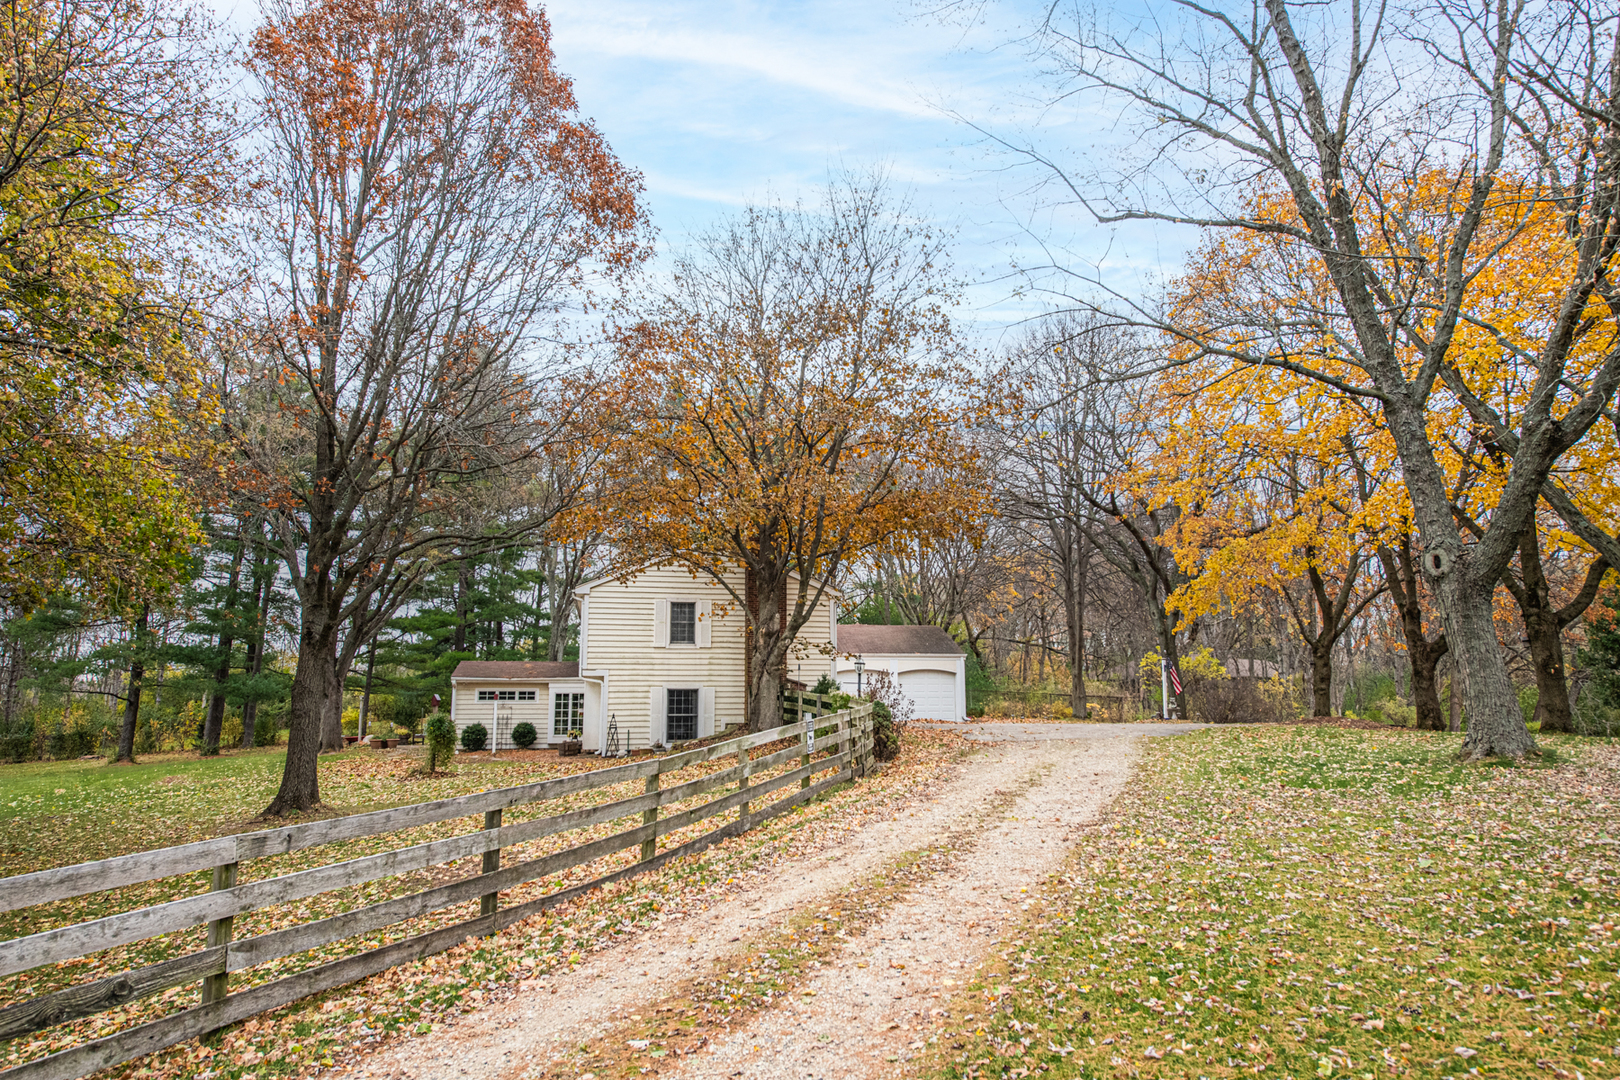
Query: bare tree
1077, 432
429, 205
1054, 471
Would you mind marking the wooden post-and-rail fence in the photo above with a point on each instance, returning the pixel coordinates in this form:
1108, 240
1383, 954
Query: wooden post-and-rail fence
842, 750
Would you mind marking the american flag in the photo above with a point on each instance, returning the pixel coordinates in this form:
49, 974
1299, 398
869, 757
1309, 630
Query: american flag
1175, 680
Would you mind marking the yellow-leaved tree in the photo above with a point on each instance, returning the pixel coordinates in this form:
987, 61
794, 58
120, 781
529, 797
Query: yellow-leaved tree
1241, 434
109, 152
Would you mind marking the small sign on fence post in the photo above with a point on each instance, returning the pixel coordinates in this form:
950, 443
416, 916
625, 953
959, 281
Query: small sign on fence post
809, 748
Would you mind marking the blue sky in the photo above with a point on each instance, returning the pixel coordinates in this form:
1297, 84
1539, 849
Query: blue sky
723, 102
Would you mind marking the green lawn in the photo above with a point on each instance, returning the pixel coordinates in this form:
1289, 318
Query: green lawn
1319, 902
55, 813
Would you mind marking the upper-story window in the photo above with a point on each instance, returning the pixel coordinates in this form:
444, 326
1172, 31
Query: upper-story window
683, 622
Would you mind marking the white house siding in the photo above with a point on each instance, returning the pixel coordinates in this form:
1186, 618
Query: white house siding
620, 651
620, 625
469, 710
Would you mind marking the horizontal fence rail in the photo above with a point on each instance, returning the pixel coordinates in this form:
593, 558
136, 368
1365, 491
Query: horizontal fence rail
828, 750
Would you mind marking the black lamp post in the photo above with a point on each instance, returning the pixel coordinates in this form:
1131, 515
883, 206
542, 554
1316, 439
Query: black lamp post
860, 666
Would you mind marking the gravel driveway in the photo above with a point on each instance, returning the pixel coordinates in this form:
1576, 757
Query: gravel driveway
876, 1002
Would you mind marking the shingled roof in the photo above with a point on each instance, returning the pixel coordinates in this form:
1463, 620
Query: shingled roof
896, 640
535, 670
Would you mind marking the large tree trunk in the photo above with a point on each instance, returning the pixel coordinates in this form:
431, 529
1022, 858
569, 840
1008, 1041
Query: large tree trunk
1544, 635
332, 713
1496, 726
1464, 583
1322, 674
300, 783
132, 695
1425, 663
1544, 628
767, 651
1423, 655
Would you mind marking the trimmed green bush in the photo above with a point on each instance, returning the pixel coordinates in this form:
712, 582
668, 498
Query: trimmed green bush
441, 741
825, 685
523, 735
474, 737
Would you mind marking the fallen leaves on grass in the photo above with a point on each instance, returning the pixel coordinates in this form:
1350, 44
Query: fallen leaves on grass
1315, 901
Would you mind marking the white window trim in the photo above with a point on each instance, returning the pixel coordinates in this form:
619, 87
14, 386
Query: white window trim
703, 630
658, 710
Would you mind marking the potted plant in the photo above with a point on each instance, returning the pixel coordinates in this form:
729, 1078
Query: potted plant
573, 744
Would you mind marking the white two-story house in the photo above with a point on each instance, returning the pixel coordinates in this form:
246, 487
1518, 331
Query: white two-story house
661, 660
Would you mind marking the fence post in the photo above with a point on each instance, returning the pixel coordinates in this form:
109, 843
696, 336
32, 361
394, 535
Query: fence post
492, 862
649, 846
743, 816
861, 728
215, 987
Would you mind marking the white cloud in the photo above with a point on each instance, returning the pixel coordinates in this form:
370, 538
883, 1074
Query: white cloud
819, 66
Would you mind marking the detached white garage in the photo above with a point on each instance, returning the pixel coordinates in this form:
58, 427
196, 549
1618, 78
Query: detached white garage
927, 663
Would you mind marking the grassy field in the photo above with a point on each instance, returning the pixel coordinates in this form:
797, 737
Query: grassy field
53, 813
65, 812
1296, 902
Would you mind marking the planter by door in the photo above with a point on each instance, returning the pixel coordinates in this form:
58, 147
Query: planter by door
571, 748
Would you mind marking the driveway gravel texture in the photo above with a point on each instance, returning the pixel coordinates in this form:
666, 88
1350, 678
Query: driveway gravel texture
1008, 818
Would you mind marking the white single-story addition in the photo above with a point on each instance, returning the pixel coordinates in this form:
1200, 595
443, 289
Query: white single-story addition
501, 694
661, 660
926, 661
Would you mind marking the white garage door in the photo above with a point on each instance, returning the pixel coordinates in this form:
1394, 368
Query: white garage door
932, 693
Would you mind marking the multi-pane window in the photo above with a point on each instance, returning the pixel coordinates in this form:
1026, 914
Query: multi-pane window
683, 622
681, 714
506, 695
567, 714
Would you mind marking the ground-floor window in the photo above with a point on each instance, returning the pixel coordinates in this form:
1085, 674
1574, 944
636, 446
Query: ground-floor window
567, 714
682, 715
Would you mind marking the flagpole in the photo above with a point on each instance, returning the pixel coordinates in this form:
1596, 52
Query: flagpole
1164, 686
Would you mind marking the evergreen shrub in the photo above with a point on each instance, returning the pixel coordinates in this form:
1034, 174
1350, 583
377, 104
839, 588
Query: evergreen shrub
441, 741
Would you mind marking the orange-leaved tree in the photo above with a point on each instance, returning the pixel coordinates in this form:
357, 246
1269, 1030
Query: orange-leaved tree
790, 400
430, 201
1246, 296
